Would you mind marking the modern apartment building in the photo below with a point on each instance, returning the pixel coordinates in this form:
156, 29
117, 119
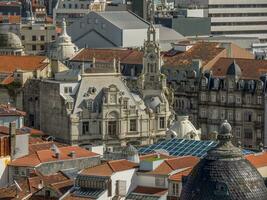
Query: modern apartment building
233, 18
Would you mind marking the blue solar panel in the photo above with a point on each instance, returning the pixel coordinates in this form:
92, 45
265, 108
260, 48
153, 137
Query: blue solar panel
182, 147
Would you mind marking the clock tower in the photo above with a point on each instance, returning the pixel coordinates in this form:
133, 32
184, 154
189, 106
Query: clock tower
151, 79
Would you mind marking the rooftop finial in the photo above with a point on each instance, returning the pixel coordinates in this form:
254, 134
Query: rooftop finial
64, 30
225, 131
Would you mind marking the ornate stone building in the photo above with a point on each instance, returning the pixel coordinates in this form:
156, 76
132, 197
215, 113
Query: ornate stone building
94, 105
234, 89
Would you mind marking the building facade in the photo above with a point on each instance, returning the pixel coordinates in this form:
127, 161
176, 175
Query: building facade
37, 37
73, 10
233, 18
94, 105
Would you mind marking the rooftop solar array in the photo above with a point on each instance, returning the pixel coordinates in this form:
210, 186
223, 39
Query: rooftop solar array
183, 147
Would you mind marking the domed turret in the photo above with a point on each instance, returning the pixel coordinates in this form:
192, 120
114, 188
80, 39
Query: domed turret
234, 70
10, 44
132, 153
224, 174
183, 129
63, 48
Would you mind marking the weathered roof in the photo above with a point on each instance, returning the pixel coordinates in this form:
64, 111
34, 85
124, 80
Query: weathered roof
108, 168
205, 51
250, 68
124, 19
170, 165
6, 110
9, 64
128, 56
43, 156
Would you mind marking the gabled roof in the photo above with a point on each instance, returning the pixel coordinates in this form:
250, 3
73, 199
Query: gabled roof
179, 175
250, 68
108, 168
10, 64
170, 165
124, 19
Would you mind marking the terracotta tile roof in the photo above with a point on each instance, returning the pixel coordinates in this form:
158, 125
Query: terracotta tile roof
6, 110
258, 160
12, 19
9, 193
31, 160
38, 144
178, 176
48, 155
8, 80
206, 51
169, 165
10, 64
5, 131
251, 68
150, 190
128, 56
108, 168
29, 186
43, 156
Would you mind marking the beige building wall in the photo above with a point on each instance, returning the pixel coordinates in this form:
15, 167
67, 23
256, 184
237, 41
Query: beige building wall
36, 37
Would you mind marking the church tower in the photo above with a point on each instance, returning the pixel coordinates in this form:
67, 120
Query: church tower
151, 80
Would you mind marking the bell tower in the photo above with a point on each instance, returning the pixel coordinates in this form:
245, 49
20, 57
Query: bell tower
151, 77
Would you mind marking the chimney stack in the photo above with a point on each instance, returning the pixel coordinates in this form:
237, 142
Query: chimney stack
12, 139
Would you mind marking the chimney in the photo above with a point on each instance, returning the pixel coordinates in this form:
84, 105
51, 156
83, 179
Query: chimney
8, 105
41, 184
12, 139
57, 155
72, 154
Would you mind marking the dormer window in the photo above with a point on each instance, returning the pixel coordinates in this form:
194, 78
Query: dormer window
67, 90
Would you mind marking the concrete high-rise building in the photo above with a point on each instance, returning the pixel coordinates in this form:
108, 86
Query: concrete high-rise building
233, 18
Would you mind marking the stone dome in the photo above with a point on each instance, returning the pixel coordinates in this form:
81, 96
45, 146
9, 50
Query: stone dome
9, 40
224, 174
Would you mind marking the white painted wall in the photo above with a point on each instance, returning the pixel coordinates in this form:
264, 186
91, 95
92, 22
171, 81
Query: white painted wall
4, 171
129, 176
149, 180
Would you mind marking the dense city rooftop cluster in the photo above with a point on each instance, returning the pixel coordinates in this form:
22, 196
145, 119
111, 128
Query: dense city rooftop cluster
133, 99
